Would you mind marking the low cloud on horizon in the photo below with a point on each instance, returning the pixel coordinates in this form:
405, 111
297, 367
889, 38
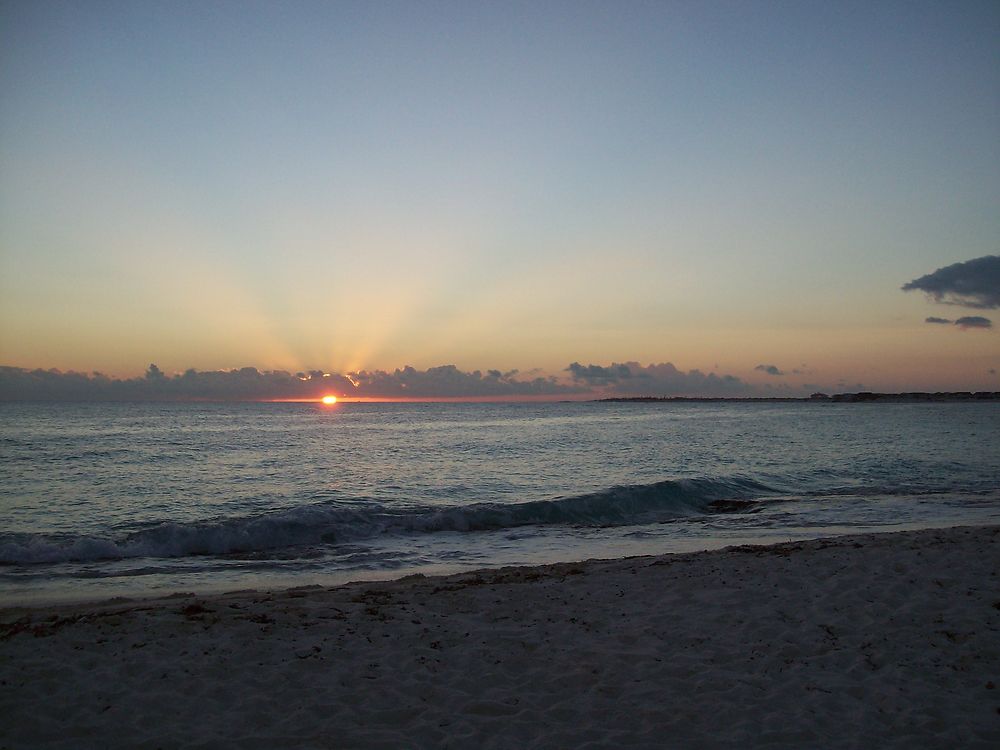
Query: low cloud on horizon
251, 384
664, 379
444, 382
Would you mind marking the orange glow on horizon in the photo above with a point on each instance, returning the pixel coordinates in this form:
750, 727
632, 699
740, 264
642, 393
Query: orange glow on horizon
553, 398
329, 400
519, 399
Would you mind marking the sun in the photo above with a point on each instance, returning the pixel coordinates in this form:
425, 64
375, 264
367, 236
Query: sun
329, 400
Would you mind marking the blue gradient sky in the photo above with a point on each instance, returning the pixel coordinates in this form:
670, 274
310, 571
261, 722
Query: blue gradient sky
367, 185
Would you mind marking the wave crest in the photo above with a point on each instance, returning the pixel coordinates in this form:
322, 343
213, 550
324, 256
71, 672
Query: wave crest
336, 523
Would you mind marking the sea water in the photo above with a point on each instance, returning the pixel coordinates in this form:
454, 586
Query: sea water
101, 500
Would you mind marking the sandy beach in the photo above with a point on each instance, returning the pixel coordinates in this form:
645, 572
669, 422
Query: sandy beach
885, 640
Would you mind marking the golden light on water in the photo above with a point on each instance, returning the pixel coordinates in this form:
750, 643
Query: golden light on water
329, 400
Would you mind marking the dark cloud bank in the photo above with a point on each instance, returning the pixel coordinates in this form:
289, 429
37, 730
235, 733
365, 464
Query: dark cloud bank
632, 379
250, 384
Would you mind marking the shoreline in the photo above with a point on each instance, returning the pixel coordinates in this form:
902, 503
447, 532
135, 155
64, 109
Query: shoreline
279, 583
860, 397
891, 638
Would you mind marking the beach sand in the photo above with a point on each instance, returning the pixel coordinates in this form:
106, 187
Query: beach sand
882, 640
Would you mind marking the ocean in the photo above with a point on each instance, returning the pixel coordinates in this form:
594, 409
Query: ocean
102, 500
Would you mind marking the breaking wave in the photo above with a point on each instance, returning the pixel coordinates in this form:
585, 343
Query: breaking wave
333, 523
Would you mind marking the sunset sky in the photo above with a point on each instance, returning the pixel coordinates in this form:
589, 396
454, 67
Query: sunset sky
740, 189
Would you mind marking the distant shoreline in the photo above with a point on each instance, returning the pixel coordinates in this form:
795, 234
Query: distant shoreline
861, 397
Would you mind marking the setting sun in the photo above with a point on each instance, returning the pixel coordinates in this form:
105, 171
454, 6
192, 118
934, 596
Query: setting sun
329, 400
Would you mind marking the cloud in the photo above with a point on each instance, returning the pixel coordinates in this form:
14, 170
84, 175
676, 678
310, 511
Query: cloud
969, 321
974, 283
245, 384
250, 384
973, 321
631, 378
769, 369
448, 381
597, 375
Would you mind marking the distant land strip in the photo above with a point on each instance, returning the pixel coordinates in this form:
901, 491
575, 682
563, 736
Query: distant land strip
861, 397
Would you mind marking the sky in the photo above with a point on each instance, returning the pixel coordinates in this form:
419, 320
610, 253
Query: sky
721, 197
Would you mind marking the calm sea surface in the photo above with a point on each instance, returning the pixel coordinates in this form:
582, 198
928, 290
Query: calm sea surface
102, 500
